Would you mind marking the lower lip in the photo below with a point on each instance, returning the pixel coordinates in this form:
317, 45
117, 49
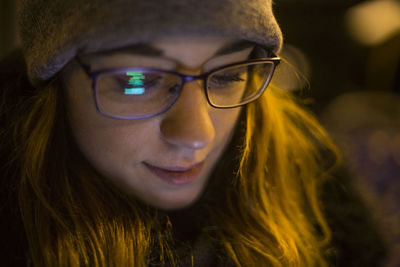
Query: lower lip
176, 177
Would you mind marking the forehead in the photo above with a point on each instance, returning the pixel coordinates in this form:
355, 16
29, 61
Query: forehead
194, 50
185, 50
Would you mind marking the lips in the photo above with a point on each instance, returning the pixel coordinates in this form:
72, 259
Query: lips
176, 175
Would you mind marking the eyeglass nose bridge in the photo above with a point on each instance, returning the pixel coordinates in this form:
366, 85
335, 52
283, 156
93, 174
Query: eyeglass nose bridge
190, 78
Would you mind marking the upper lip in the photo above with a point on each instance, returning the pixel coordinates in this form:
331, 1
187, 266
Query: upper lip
176, 168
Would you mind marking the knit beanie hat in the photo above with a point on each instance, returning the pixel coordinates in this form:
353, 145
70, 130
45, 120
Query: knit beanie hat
54, 31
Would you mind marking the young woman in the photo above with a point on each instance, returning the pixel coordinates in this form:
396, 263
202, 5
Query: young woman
150, 134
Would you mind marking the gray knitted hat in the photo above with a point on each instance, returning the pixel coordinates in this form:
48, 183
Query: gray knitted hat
55, 31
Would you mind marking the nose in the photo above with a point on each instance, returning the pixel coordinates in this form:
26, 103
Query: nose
188, 123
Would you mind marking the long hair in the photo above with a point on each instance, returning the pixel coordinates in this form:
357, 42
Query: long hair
268, 210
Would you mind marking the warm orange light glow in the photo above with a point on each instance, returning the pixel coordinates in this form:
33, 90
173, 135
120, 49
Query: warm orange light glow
373, 22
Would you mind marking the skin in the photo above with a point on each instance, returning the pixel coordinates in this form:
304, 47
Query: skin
190, 132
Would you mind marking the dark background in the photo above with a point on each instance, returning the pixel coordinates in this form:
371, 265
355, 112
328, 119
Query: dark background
8, 36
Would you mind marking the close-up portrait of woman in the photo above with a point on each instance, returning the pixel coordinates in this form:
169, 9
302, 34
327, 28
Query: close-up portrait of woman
153, 133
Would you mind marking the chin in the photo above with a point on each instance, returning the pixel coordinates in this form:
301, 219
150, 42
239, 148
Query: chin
166, 198
175, 206
175, 202
170, 205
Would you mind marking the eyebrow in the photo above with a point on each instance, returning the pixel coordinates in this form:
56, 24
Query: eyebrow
148, 50
233, 47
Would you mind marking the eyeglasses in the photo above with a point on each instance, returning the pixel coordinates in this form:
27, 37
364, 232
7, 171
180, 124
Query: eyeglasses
139, 93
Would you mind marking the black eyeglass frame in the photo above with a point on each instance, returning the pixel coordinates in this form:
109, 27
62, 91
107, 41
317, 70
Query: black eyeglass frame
184, 78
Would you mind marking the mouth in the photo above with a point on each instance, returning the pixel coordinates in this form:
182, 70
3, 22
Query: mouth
176, 175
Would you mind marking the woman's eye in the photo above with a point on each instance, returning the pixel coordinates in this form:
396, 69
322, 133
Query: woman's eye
226, 79
151, 82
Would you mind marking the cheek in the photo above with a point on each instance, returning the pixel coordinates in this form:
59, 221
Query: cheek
224, 121
107, 143
110, 145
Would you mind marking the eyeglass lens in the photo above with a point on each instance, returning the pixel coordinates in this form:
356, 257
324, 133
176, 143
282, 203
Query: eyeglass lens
238, 84
140, 93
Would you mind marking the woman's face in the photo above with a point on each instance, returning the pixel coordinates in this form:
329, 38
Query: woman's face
166, 160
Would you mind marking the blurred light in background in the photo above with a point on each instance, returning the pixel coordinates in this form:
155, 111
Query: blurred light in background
378, 146
395, 149
373, 22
